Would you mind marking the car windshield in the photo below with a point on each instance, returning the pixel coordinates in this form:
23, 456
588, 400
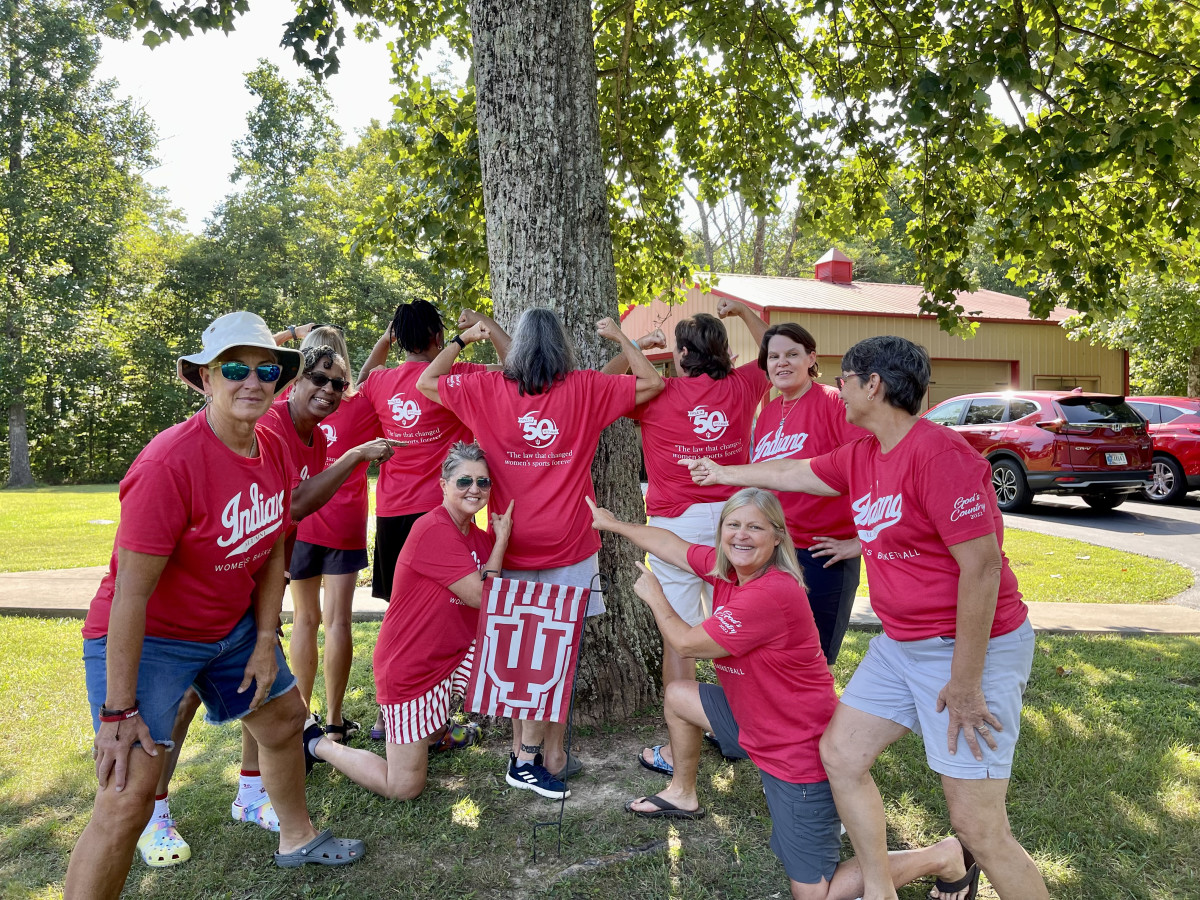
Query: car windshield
1098, 411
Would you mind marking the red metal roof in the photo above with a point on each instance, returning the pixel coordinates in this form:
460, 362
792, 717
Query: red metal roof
868, 298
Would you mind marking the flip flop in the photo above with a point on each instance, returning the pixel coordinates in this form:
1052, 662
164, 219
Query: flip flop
659, 765
323, 850
666, 809
969, 882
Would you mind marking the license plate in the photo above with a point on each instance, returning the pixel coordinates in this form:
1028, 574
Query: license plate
1115, 459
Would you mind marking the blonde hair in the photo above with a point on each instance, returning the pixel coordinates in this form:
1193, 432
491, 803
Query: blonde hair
328, 336
767, 503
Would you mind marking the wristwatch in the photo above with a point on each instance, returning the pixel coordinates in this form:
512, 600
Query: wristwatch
457, 339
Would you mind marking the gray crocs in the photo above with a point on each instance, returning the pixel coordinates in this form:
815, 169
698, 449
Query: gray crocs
323, 850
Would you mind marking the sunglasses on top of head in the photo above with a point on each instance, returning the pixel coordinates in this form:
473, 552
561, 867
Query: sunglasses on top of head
320, 380
240, 371
464, 482
338, 328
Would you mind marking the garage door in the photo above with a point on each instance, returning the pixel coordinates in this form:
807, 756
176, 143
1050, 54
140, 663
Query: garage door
952, 377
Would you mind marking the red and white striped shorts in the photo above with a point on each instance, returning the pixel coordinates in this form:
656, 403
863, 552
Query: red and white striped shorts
415, 720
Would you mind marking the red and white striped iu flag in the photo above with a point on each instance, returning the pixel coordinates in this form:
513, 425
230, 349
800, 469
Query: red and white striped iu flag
526, 650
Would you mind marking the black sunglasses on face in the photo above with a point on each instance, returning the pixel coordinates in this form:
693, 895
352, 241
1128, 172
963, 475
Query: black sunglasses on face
320, 380
239, 371
464, 482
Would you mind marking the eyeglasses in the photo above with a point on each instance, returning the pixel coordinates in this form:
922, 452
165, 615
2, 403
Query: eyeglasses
338, 328
464, 482
840, 381
320, 380
239, 371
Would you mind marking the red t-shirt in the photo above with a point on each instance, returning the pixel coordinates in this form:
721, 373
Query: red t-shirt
214, 514
911, 504
694, 417
342, 522
811, 425
408, 482
775, 677
427, 630
307, 459
540, 449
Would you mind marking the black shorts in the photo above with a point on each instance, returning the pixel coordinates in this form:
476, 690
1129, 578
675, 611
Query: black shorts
313, 560
390, 534
831, 595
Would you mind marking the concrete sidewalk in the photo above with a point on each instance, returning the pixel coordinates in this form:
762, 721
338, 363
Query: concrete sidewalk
67, 592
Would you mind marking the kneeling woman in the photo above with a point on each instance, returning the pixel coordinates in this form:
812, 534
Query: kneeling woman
426, 643
775, 698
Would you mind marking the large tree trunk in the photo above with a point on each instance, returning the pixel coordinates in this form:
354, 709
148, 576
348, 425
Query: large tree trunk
549, 245
1193, 376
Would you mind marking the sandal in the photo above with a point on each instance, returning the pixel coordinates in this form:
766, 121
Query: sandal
162, 845
659, 765
456, 737
968, 883
260, 813
323, 850
665, 809
342, 733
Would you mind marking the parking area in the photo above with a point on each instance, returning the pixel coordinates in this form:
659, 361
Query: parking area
1162, 531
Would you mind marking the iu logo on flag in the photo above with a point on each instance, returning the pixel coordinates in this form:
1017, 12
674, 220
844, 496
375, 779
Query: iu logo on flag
527, 647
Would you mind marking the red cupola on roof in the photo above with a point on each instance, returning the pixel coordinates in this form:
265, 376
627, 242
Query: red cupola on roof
835, 266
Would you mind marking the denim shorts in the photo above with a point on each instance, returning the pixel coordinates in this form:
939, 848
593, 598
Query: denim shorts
900, 681
169, 667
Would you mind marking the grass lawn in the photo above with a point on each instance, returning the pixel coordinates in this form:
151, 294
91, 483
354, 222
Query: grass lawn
49, 528
57, 527
1105, 795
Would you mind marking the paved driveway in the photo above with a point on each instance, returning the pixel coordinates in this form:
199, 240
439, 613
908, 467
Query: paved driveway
1164, 531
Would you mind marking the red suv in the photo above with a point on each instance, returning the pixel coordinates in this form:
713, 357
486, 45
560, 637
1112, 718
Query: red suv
1175, 428
1055, 442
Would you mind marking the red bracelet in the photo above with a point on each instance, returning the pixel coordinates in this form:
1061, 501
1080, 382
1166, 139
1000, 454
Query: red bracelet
117, 715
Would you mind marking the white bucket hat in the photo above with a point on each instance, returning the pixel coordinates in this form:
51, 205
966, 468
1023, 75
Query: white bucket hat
238, 329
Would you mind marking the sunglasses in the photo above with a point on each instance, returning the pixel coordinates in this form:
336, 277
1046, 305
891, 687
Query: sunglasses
320, 380
338, 328
239, 371
464, 482
841, 382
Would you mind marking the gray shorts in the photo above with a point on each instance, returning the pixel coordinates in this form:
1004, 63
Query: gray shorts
578, 574
900, 681
805, 828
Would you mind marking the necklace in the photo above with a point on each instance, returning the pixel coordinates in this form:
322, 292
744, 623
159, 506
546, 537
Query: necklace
253, 440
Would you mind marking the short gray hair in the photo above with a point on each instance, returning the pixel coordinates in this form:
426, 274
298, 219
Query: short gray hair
540, 354
460, 453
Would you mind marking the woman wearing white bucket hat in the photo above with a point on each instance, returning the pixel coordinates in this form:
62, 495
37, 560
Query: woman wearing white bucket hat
192, 598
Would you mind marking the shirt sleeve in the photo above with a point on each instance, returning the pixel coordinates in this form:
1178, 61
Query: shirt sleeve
612, 396
753, 380
702, 559
952, 485
833, 467
155, 508
443, 555
747, 621
455, 391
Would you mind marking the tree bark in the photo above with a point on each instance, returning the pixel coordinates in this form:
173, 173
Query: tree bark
760, 243
1193, 375
550, 245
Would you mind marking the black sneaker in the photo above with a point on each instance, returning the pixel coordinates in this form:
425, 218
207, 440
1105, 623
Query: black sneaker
312, 731
532, 776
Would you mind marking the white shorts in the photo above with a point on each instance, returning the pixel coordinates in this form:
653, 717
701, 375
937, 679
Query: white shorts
578, 574
688, 595
415, 720
900, 681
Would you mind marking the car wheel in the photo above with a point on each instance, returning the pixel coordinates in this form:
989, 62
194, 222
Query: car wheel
1167, 483
1012, 490
1104, 501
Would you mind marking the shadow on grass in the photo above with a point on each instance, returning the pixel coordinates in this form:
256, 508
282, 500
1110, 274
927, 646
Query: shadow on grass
1105, 795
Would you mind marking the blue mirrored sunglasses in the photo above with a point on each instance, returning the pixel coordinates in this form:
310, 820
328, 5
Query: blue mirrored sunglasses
239, 371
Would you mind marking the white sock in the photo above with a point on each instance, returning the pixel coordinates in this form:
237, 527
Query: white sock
250, 788
162, 811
